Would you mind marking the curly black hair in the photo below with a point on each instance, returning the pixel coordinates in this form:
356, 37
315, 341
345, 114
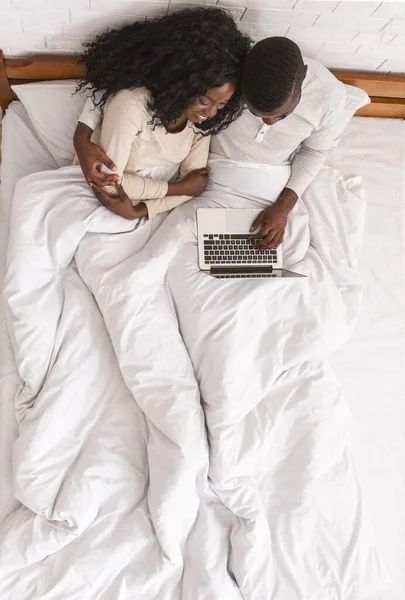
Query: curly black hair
271, 73
177, 57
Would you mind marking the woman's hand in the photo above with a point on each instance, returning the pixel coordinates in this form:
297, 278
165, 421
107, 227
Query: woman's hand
121, 205
91, 157
273, 220
193, 184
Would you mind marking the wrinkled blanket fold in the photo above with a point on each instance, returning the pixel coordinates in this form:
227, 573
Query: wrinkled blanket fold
182, 437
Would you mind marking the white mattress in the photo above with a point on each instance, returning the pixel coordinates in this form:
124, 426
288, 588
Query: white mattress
369, 366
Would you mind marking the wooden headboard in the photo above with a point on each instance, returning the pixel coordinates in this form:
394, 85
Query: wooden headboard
387, 92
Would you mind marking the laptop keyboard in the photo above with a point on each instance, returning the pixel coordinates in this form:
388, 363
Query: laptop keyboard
232, 248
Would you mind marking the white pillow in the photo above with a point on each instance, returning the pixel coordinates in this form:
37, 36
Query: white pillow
355, 99
54, 110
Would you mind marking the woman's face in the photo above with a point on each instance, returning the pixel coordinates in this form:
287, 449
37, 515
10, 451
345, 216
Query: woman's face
206, 107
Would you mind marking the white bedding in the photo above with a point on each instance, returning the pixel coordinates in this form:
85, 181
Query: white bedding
96, 495
22, 153
370, 366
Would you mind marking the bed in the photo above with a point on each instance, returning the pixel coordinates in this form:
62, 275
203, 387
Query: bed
369, 367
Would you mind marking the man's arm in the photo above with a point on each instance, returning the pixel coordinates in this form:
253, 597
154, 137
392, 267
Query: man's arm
273, 220
310, 158
306, 164
314, 150
305, 167
91, 113
89, 154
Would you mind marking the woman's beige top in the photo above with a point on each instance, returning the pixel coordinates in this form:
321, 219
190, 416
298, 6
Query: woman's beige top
134, 145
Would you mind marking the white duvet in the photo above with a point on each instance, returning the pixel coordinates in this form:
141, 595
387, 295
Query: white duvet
182, 437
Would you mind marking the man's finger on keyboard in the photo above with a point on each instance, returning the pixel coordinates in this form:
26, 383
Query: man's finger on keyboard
268, 236
263, 230
257, 221
263, 234
272, 241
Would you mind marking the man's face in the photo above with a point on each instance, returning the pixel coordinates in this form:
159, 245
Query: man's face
283, 111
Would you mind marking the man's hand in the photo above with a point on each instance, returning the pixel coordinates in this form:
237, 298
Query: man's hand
91, 157
121, 205
273, 220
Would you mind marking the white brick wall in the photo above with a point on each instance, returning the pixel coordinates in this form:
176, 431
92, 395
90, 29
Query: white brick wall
347, 34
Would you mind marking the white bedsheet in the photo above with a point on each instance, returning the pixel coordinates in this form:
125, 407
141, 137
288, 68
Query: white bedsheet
370, 366
283, 504
22, 153
390, 538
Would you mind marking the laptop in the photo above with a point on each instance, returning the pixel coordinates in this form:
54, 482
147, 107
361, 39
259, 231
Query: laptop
225, 251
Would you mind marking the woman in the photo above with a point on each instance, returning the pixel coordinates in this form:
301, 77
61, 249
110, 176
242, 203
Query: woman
163, 86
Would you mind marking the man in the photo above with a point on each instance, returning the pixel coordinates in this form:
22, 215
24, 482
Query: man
295, 117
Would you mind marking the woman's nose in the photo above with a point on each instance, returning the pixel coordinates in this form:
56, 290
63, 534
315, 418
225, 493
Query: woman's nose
211, 111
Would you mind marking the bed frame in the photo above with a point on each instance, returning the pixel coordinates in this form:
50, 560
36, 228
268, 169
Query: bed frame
387, 92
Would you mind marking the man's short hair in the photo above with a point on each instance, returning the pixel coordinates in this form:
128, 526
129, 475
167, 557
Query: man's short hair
272, 71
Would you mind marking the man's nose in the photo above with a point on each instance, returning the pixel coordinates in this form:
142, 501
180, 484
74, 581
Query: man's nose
270, 120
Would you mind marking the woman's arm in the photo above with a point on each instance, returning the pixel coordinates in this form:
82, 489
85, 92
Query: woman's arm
124, 117
122, 205
192, 181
